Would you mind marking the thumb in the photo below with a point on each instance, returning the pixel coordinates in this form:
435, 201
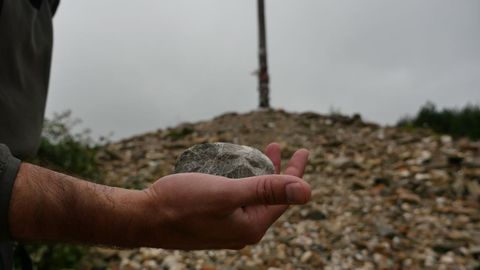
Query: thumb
272, 190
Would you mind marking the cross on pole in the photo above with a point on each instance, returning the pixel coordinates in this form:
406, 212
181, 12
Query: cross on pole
263, 78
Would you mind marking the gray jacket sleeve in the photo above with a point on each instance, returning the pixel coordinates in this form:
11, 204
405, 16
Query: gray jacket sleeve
8, 172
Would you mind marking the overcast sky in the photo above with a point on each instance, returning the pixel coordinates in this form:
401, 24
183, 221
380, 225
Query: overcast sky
133, 66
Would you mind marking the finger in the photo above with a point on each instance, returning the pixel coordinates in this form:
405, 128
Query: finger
271, 190
296, 165
274, 153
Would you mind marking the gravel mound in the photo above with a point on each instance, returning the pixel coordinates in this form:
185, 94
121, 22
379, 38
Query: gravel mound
383, 198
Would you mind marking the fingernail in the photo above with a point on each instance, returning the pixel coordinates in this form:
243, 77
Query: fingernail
295, 193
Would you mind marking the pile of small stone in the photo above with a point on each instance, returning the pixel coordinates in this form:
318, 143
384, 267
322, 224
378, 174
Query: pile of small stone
383, 197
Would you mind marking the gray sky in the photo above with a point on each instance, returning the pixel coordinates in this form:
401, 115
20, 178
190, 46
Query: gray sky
133, 66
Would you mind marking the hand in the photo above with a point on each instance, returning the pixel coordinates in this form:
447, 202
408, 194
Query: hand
200, 211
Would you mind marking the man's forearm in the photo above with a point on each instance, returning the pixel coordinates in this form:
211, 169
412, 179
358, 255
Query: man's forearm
47, 205
178, 211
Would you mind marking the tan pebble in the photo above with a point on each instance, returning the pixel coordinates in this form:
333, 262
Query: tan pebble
246, 251
447, 258
458, 235
208, 267
130, 265
150, 264
306, 257
407, 196
281, 251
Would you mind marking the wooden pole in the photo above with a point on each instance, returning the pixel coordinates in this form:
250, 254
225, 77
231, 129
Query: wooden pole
263, 78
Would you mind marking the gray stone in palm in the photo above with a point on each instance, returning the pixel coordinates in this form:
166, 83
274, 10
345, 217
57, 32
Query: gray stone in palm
224, 159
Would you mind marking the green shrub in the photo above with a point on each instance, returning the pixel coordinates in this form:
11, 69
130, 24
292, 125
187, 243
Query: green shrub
63, 150
177, 134
463, 122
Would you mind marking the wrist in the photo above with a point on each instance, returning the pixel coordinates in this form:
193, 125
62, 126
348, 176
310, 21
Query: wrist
147, 220
126, 221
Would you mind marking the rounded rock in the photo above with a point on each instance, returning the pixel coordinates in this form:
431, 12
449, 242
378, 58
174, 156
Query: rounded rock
224, 159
